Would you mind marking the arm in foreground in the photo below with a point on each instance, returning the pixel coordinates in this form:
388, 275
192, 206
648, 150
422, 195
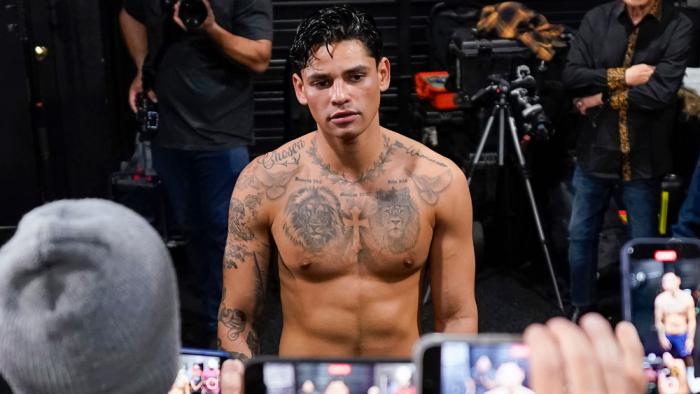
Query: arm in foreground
246, 262
586, 359
452, 259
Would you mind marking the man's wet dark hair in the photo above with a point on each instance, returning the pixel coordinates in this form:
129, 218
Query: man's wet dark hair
329, 26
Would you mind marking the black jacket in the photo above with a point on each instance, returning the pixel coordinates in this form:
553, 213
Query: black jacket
601, 44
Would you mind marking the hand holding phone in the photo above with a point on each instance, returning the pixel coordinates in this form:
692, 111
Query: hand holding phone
661, 288
586, 359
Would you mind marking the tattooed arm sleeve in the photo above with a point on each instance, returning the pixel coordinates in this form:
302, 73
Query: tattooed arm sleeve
452, 259
245, 266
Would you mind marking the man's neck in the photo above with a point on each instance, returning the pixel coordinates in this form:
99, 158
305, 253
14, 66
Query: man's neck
351, 158
636, 14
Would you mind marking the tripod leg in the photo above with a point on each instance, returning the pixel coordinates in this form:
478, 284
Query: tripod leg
501, 135
533, 205
482, 144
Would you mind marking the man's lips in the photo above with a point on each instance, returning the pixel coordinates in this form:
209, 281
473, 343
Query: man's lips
344, 117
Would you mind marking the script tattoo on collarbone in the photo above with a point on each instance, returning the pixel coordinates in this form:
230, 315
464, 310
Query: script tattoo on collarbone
313, 217
288, 157
272, 172
415, 152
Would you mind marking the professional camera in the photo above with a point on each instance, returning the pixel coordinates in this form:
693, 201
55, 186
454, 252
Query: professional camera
521, 93
193, 13
534, 120
147, 118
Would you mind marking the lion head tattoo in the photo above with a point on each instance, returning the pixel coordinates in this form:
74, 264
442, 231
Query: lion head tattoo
313, 217
396, 221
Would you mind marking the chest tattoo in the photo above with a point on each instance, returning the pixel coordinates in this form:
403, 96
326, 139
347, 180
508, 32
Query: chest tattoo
396, 223
384, 221
313, 218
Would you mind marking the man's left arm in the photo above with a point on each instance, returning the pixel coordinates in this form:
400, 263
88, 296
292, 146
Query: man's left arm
253, 47
692, 323
663, 85
452, 258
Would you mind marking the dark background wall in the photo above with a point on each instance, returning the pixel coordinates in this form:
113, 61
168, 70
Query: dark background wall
65, 122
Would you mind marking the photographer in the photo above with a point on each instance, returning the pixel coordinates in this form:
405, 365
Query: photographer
198, 67
624, 68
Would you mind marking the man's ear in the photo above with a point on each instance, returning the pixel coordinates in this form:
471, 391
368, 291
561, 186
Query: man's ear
384, 71
298, 84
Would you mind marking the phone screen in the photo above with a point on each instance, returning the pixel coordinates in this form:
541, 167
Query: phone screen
307, 377
476, 368
199, 371
661, 287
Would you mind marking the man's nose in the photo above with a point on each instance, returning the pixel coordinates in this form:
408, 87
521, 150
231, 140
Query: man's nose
339, 93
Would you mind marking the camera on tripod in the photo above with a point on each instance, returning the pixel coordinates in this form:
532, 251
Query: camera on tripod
522, 95
147, 118
483, 68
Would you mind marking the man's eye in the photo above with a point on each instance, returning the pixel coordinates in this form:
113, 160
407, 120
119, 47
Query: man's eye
357, 77
321, 84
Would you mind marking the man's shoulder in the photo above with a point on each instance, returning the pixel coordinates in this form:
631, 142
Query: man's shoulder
421, 161
287, 156
272, 171
432, 173
603, 10
419, 156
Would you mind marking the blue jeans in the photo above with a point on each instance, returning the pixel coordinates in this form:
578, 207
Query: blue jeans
591, 198
689, 217
199, 186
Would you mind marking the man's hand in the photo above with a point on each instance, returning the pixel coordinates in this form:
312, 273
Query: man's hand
584, 103
689, 345
208, 23
136, 88
673, 384
665, 343
232, 377
638, 74
590, 359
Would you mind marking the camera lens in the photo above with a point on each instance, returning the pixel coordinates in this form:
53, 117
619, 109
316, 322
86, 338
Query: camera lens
193, 13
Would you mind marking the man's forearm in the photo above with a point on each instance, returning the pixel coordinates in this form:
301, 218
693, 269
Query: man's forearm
236, 334
253, 54
135, 37
458, 325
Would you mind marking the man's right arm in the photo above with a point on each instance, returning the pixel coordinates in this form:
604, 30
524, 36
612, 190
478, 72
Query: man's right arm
659, 323
136, 39
580, 75
246, 262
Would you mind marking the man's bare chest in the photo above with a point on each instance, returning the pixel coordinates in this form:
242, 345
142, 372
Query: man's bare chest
332, 227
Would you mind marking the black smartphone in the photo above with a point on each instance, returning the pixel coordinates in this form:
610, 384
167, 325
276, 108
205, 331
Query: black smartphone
329, 376
660, 291
199, 371
472, 364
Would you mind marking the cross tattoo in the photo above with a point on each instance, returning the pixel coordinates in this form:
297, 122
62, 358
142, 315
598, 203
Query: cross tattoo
356, 223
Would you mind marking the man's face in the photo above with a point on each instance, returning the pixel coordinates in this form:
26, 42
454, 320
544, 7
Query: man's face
342, 88
670, 281
637, 3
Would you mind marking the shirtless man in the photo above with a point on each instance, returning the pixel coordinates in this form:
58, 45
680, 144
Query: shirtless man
358, 214
675, 321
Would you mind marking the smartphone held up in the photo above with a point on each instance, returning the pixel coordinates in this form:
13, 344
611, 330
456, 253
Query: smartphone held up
484, 364
661, 289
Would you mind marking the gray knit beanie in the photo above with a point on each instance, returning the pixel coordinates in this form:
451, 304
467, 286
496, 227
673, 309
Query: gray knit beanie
88, 303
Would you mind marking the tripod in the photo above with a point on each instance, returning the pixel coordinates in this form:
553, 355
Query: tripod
502, 110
